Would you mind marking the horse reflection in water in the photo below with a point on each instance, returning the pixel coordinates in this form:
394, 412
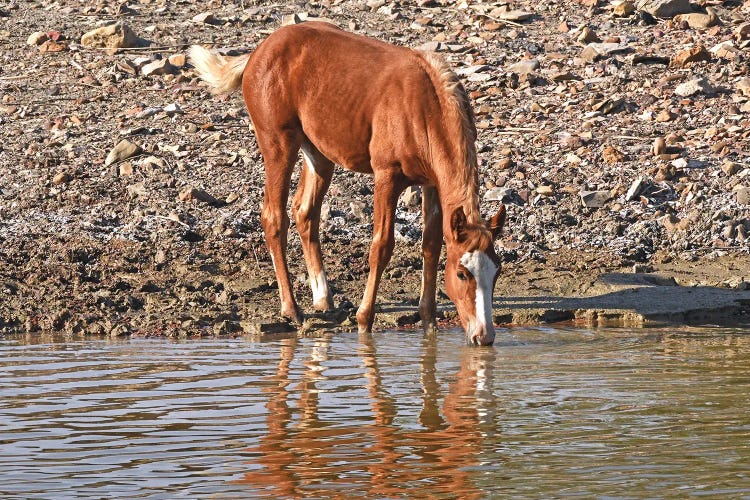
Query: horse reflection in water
302, 454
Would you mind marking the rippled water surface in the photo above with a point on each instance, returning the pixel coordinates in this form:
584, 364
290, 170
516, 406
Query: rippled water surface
545, 412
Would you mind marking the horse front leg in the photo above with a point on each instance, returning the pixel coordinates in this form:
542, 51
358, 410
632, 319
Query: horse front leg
387, 190
432, 242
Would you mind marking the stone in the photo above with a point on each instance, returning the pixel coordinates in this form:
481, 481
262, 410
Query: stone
659, 147
743, 195
61, 178
358, 209
291, 19
664, 8
195, 194
173, 109
505, 163
594, 199
113, 36
158, 67
606, 106
122, 151
470, 70
267, 328
730, 168
545, 190
177, 60
686, 57
37, 38
501, 194
635, 188
726, 50
612, 156
136, 190
126, 67
743, 86
563, 76
153, 161
624, 8
126, 169
693, 87
205, 18
672, 223
699, 21
742, 32
515, 15
587, 35
524, 66
665, 115
411, 197
52, 46
594, 51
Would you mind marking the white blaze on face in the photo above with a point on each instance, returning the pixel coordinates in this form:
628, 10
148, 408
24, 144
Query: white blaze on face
483, 270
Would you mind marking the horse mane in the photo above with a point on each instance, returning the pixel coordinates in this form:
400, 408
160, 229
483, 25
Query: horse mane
457, 110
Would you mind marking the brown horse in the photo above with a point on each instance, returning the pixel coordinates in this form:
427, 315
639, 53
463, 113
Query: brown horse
375, 108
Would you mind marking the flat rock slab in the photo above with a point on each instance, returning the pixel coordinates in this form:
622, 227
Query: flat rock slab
632, 300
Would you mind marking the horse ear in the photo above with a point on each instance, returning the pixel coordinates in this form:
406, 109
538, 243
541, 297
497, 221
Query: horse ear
458, 224
497, 222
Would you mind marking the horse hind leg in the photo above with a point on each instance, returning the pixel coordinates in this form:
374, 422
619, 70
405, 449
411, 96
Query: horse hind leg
279, 149
317, 171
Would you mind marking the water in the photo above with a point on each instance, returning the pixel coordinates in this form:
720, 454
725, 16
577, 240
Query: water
546, 412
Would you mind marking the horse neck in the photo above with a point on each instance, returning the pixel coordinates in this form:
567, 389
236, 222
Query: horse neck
457, 186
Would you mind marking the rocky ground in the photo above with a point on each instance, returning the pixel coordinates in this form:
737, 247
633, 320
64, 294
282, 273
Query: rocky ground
617, 135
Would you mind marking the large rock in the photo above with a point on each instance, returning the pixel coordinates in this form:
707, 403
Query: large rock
697, 20
693, 87
37, 38
743, 195
124, 150
194, 194
113, 36
686, 57
158, 67
524, 66
594, 199
594, 51
664, 8
743, 86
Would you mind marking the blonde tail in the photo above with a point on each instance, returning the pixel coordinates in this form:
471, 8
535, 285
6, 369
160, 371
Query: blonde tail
222, 73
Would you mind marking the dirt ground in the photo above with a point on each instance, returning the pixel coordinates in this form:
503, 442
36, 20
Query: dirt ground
166, 239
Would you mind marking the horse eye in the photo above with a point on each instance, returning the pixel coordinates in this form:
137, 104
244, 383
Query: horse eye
461, 275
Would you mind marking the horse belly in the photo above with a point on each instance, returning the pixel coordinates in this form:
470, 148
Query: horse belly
342, 137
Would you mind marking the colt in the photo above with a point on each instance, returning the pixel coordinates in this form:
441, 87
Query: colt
398, 114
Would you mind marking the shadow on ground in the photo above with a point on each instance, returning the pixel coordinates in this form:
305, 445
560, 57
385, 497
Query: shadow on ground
631, 299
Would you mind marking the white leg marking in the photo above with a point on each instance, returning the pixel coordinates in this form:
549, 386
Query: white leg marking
318, 282
319, 285
308, 162
483, 270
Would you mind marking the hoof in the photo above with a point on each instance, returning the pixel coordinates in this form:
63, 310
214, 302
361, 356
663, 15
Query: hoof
296, 316
364, 321
364, 330
324, 305
429, 327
